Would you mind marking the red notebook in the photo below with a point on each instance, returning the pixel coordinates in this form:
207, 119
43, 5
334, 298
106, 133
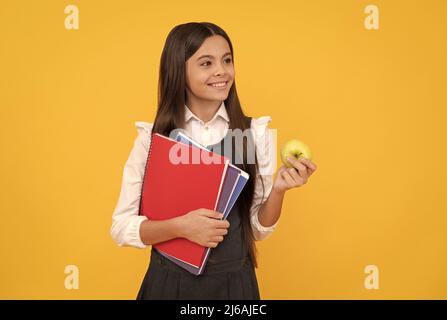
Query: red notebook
172, 188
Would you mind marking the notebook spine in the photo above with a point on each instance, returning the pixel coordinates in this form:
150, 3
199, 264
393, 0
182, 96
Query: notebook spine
145, 169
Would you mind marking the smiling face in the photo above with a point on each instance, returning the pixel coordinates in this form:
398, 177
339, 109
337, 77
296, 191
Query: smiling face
211, 64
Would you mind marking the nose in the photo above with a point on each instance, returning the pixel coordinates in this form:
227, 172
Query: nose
220, 69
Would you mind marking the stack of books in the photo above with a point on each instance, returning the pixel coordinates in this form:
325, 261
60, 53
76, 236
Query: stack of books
180, 176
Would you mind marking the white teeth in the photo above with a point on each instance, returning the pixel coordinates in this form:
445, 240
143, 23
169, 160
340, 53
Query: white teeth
220, 84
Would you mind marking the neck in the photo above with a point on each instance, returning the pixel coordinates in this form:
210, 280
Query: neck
204, 110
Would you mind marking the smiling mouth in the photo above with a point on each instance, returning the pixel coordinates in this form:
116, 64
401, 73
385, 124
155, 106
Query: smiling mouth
218, 85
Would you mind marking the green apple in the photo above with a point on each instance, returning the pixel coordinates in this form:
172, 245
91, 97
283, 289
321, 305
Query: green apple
294, 148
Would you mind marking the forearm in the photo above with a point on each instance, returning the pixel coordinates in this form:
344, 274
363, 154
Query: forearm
270, 210
155, 231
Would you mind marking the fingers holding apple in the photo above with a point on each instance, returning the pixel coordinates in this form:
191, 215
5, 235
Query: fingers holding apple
297, 167
287, 178
304, 166
311, 167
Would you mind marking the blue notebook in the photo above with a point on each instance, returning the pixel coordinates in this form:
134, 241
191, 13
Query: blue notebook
234, 183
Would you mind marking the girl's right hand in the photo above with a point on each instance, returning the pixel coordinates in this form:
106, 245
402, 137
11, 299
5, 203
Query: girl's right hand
204, 227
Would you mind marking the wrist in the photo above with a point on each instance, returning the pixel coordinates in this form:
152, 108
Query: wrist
177, 224
278, 192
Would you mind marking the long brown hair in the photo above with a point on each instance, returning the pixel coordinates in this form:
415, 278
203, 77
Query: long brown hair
181, 43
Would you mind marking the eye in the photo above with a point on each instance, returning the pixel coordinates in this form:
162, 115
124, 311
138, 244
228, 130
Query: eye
204, 63
229, 60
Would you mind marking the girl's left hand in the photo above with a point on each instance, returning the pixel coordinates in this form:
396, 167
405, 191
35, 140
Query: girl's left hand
293, 177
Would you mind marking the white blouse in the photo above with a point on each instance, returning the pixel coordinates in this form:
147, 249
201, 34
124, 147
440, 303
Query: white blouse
125, 229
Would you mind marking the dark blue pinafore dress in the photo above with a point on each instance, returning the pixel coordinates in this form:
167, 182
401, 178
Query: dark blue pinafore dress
229, 273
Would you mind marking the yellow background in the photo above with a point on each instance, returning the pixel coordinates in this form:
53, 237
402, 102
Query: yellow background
371, 104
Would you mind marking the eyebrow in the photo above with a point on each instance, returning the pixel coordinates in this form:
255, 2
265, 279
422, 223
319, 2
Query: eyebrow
212, 57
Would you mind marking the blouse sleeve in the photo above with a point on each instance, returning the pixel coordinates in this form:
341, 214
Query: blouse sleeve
266, 155
126, 222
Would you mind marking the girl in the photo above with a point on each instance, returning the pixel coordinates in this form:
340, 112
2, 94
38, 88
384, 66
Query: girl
197, 93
